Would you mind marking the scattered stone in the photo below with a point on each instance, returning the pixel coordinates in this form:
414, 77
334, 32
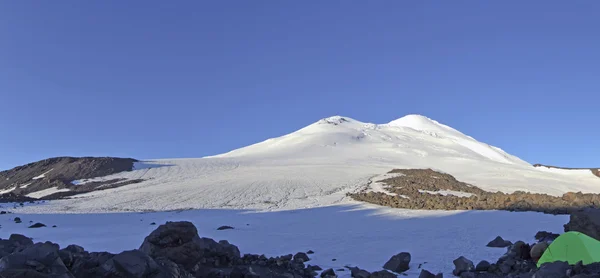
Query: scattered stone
340, 269
134, 263
461, 265
225, 228
53, 226
545, 236
301, 257
552, 270
499, 242
359, 273
426, 274
310, 252
3, 212
329, 273
153, 223
482, 266
314, 267
398, 263
333, 260
37, 225
382, 274
18, 220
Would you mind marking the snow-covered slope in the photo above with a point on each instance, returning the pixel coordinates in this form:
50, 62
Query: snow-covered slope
317, 165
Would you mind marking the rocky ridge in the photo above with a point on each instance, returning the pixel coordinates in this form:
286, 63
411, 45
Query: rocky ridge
59, 173
417, 189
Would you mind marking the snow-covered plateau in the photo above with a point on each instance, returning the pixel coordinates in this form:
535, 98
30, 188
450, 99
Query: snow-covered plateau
288, 194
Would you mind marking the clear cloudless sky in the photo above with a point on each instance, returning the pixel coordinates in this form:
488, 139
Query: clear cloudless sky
165, 79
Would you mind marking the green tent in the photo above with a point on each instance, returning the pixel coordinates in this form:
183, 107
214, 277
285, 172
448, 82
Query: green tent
572, 247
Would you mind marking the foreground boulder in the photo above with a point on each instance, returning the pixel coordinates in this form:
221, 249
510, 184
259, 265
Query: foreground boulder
180, 243
398, 263
38, 260
134, 264
461, 265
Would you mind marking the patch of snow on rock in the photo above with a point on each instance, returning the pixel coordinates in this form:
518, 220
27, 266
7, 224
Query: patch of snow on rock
42, 175
46, 192
448, 192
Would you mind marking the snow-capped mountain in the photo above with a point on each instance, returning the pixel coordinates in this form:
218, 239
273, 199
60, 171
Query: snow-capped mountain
318, 164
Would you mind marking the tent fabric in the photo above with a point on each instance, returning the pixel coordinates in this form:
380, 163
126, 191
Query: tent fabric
572, 247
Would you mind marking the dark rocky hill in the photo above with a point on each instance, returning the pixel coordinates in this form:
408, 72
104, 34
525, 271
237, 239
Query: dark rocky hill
60, 172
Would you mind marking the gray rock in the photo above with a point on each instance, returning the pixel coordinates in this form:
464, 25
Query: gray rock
180, 243
301, 257
552, 270
20, 240
383, 274
328, 273
38, 260
359, 273
499, 242
426, 274
586, 221
225, 228
461, 265
482, 266
398, 263
134, 264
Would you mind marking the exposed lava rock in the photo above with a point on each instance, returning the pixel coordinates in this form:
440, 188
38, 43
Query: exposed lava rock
59, 172
409, 191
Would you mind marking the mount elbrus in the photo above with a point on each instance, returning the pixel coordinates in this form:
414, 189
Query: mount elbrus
332, 161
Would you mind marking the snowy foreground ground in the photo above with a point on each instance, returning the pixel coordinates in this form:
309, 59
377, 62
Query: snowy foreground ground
355, 235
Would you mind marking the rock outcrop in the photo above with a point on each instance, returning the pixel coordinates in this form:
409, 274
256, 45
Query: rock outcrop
417, 189
60, 172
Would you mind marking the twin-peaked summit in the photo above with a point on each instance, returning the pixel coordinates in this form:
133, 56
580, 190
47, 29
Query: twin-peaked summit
412, 136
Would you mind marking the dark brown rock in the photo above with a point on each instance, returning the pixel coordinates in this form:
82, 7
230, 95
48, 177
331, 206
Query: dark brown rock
398, 263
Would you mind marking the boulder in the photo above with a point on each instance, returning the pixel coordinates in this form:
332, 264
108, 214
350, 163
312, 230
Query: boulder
180, 243
586, 221
359, 273
499, 242
38, 260
461, 265
328, 273
482, 266
426, 274
225, 228
398, 263
545, 236
301, 257
552, 270
134, 264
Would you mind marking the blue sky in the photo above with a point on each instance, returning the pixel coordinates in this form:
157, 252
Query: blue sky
158, 79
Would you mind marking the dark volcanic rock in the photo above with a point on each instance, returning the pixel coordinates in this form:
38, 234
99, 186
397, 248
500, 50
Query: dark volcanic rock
426, 274
359, 273
545, 236
382, 274
329, 273
586, 221
38, 260
398, 263
414, 181
60, 172
225, 228
482, 266
180, 243
301, 257
37, 225
461, 265
499, 242
552, 270
134, 264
